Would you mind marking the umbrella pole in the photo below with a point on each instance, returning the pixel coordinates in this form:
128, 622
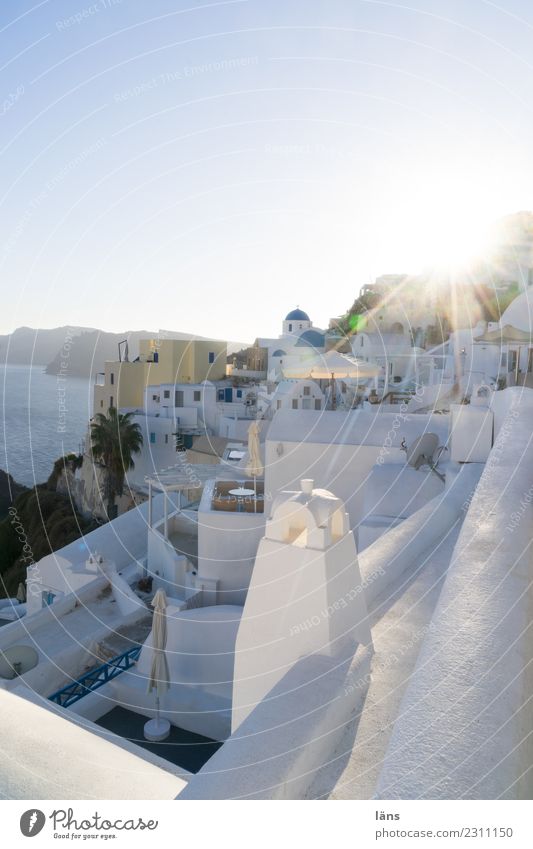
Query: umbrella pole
255, 494
157, 709
333, 398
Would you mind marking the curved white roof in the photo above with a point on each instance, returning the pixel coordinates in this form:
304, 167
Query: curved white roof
519, 313
45, 755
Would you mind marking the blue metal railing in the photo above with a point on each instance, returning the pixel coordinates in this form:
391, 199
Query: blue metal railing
97, 677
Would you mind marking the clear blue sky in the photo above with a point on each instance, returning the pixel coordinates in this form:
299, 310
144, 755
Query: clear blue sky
207, 166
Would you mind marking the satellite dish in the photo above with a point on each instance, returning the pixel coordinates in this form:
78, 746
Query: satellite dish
422, 451
17, 660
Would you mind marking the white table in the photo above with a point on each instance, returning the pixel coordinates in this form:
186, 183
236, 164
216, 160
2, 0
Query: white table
242, 492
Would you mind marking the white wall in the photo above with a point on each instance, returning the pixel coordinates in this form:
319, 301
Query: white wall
227, 545
276, 752
171, 571
464, 726
338, 449
302, 599
200, 654
123, 541
343, 469
153, 456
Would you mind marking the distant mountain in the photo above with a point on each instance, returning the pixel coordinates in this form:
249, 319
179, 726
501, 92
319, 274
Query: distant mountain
82, 350
88, 352
28, 346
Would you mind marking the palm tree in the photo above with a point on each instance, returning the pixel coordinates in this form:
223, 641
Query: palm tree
114, 441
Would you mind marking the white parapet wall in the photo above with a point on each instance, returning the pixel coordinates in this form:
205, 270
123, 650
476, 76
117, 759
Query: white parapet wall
124, 540
397, 552
279, 748
464, 726
47, 757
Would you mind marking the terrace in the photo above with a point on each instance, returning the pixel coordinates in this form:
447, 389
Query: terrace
239, 496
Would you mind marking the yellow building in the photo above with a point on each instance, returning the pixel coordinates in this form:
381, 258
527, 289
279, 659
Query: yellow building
160, 361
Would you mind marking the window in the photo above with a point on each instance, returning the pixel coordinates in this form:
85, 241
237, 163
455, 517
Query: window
290, 328
295, 403
166, 393
101, 403
166, 438
152, 439
110, 401
197, 395
220, 395
239, 393
211, 356
112, 379
178, 398
307, 390
318, 404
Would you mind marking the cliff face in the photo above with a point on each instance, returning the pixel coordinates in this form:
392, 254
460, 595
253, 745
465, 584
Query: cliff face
86, 487
9, 492
43, 520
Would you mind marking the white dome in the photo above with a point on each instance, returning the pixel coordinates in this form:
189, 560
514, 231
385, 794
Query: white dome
519, 313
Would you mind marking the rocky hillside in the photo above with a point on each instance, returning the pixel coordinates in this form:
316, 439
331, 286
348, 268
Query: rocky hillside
28, 345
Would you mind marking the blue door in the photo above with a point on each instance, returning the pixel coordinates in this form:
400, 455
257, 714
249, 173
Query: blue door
228, 394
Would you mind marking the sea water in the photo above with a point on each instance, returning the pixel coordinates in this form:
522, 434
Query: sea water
42, 417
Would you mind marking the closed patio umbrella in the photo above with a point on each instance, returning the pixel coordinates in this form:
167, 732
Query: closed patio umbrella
21, 593
254, 467
159, 679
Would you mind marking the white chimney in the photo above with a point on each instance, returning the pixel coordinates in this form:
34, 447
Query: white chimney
307, 485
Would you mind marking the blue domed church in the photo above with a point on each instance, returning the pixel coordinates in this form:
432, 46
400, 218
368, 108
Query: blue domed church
298, 340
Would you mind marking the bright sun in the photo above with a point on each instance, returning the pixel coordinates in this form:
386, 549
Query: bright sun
438, 226
452, 240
